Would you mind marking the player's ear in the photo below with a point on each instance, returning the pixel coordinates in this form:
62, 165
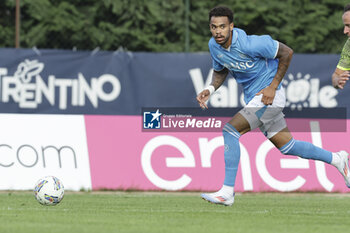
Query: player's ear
231, 26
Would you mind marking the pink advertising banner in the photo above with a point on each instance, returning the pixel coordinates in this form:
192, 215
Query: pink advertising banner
123, 156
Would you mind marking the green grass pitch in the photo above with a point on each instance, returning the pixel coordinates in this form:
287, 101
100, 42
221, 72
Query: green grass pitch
165, 212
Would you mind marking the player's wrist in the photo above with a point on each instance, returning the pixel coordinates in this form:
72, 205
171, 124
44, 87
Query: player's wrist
210, 88
274, 85
335, 82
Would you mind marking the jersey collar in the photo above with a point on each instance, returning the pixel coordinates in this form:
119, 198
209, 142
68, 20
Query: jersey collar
234, 40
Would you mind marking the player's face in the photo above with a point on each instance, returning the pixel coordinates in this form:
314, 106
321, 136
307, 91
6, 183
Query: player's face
346, 22
221, 30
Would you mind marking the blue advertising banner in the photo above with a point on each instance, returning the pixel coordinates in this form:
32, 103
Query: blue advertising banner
122, 83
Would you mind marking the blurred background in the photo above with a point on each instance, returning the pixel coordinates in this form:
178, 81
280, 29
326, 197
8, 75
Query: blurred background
307, 26
76, 76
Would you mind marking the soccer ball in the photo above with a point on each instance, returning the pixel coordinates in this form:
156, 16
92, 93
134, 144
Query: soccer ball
49, 191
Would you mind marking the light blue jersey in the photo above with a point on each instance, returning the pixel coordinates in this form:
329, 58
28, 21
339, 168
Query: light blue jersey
251, 60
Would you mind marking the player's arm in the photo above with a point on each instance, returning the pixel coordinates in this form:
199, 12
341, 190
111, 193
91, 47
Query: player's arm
217, 80
341, 73
339, 78
284, 56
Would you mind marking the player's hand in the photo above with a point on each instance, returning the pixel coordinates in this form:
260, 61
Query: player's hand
339, 81
202, 98
268, 95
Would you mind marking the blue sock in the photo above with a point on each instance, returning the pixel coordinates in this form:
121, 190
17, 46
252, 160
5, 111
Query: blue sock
306, 150
232, 153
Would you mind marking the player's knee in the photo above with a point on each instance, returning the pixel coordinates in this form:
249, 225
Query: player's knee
229, 131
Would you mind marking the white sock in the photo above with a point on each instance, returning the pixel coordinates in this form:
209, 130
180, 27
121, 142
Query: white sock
335, 159
227, 190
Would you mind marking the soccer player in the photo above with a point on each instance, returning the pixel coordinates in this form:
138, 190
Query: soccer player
259, 64
341, 73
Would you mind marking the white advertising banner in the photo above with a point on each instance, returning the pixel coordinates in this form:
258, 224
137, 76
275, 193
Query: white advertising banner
34, 146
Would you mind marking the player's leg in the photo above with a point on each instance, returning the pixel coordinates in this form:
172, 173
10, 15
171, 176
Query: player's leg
244, 121
284, 141
232, 131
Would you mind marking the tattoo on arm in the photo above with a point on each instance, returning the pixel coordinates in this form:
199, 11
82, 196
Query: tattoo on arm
219, 78
284, 55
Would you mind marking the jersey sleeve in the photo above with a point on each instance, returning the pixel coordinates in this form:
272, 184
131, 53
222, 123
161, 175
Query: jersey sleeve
344, 62
216, 64
262, 46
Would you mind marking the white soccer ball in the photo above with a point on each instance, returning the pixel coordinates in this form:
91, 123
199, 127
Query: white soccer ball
49, 191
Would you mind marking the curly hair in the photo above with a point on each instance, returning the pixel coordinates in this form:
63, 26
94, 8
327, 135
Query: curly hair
221, 11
